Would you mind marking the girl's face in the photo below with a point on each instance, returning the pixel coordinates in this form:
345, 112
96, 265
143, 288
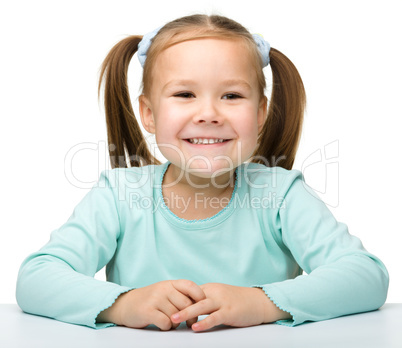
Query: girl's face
204, 91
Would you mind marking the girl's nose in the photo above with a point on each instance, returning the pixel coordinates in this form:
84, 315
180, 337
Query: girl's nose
208, 113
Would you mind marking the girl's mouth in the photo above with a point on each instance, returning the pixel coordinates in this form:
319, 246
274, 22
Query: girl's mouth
206, 141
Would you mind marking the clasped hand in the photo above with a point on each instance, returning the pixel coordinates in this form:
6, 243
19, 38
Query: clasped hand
226, 304
168, 303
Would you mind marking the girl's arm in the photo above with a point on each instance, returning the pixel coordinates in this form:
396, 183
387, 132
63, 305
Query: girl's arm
57, 281
342, 276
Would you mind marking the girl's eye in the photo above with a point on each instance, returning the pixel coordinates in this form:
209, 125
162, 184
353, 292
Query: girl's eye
231, 96
184, 95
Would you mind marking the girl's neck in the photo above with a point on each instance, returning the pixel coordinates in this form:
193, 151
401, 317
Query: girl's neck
178, 180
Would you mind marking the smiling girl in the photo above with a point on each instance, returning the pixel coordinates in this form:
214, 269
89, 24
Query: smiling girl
224, 228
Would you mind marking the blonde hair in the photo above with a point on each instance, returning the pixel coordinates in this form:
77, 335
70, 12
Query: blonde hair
278, 140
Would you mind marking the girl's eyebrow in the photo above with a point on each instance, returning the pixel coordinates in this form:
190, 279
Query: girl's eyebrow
226, 83
236, 82
178, 83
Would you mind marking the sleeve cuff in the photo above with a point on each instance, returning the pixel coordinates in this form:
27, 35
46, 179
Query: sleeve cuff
271, 295
108, 302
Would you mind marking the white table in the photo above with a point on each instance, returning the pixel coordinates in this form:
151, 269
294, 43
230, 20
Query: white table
379, 329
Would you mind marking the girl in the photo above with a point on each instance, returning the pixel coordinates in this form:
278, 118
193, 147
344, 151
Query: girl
224, 228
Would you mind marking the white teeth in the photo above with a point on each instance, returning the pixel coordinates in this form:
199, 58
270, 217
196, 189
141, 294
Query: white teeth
205, 141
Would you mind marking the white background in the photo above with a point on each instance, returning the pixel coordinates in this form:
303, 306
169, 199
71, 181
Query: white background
347, 52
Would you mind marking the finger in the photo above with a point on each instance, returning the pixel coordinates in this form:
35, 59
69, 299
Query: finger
189, 288
167, 308
161, 320
174, 326
179, 300
209, 322
190, 322
193, 311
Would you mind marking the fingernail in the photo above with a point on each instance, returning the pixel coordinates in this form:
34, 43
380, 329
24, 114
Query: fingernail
175, 316
196, 326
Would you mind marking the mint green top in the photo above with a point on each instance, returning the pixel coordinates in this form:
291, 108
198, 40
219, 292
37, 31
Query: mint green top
273, 228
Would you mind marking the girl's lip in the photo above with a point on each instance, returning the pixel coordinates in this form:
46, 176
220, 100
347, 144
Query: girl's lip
210, 145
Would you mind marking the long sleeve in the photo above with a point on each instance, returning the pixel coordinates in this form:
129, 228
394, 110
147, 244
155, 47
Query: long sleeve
342, 277
58, 280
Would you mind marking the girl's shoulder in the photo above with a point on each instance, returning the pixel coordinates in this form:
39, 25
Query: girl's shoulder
142, 178
262, 181
260, 174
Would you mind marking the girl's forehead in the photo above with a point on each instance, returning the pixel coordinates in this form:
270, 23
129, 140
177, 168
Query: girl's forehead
206, 51
205, 57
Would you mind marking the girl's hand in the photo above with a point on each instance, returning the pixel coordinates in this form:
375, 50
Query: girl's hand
231, 305
154, 304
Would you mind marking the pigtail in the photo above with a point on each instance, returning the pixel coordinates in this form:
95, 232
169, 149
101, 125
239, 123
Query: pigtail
279, 138
123, 131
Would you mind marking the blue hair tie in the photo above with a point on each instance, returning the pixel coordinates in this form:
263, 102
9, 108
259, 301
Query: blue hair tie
145, 43
263, 47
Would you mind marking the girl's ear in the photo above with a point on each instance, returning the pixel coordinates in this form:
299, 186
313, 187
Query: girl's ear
262, 113
147, 116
